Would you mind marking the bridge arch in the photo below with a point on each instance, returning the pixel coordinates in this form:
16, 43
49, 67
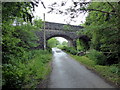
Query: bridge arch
56, 35
68, 38
57, 30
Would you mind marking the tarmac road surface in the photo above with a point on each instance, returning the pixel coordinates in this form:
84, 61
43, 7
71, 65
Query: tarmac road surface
68, 73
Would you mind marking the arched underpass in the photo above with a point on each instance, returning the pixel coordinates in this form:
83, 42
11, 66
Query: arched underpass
70, 36
68, 39
57, 30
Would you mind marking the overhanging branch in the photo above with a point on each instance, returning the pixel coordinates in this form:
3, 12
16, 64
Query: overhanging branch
98, 11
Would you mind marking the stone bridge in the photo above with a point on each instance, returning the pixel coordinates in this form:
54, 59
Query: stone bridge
59, 30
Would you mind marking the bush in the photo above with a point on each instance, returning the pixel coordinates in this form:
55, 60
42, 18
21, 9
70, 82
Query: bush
49, 49
97, 56
114, 69
70, 50
73, 51
60, 46
19, 74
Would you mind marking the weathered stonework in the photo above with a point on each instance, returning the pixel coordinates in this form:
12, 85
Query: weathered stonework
57, 30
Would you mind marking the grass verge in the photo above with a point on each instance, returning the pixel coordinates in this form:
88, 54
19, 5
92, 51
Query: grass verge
107, 72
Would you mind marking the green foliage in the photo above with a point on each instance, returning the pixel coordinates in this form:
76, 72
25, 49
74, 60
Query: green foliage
82, 45
60, 46
84, 60
70, 50
17, 39
114, 69
38, 23
103, 29
26, 74
97, 56
64, 43
53, 42
11, 10
66, 27
79, 46
22, 67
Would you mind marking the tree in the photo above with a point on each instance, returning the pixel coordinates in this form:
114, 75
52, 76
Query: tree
104, 30
79, 7
53, 42
11, 10
64, 43
102, 24
38, 23
19, 37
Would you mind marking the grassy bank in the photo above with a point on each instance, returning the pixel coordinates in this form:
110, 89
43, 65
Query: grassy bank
27, 74
108, 72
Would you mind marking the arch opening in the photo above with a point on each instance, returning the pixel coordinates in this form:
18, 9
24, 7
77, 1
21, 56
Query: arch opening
59, 41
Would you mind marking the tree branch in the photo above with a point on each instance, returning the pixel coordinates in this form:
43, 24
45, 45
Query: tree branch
98, 10
111, 5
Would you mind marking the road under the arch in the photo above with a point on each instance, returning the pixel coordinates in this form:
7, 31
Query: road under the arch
68, 73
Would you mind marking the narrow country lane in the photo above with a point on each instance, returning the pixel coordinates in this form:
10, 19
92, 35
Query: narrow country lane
68, 73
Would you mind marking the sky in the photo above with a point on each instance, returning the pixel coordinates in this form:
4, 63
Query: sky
52, 17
